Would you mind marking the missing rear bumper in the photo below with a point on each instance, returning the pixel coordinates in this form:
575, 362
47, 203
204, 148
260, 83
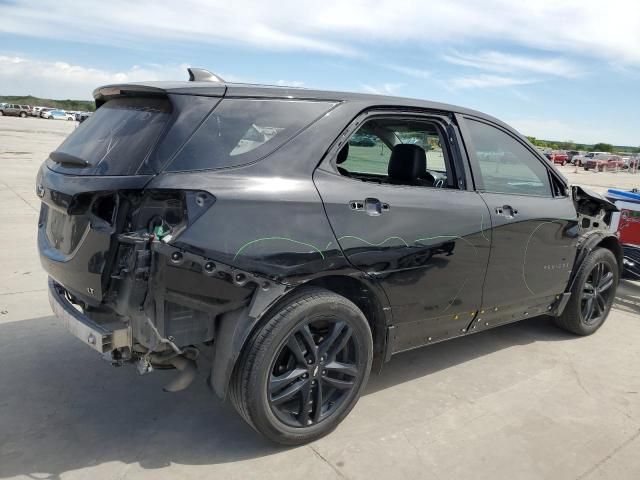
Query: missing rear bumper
103, 338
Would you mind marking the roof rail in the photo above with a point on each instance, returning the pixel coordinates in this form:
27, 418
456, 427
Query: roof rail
202, 75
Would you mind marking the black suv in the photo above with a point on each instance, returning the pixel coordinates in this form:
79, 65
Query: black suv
240, 229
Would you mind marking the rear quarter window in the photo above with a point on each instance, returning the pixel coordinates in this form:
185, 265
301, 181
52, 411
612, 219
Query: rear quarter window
242, 131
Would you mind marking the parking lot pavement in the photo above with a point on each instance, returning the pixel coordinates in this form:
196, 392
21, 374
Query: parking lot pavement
600, 181
522, 401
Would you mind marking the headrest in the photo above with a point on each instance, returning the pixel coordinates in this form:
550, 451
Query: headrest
343, 154
407, 162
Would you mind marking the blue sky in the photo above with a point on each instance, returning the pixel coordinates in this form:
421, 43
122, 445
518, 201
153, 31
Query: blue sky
563, 70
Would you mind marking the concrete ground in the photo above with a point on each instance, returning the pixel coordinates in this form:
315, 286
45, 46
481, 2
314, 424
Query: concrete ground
524, 401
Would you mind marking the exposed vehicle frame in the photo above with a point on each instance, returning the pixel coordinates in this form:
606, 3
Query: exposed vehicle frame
157, 265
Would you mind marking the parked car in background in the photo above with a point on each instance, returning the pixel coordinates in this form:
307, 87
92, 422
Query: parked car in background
35, 111
57, 115
559, 157
581, 159
362, 140
604, 161
576, 159
45, 110
571, 154
15, 110
630, 161
83, 116
295, 262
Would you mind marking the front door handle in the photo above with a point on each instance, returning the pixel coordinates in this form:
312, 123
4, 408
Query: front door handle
370, 206
506, 211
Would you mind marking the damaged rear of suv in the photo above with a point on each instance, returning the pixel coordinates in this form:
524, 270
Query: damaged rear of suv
118, 209
185, 217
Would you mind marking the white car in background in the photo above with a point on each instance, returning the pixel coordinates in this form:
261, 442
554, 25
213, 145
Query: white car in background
581, 159
35, 111
57, 115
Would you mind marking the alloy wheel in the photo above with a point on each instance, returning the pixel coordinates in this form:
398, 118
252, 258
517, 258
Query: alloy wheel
314, 372
596, 293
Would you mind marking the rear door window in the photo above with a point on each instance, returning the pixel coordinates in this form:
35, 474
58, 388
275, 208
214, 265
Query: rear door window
242, 131
506, 165
117, 138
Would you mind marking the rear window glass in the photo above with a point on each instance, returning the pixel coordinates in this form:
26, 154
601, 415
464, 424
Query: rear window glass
117, 138
241, 131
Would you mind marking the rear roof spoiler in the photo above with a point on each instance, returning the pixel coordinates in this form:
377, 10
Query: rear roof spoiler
216, 87
102, 94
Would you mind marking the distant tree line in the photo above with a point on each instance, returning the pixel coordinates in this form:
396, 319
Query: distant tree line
571, 145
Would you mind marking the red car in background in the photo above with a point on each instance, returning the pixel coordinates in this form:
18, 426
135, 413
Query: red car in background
559, 157
603, 161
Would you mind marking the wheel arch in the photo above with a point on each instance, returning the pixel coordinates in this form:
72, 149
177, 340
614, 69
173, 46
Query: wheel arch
596, 239
612, 243
373, 303
234, 329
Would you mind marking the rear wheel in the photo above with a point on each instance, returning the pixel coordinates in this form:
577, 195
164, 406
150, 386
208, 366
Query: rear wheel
303, 371
592, 294
1, 113
23, 115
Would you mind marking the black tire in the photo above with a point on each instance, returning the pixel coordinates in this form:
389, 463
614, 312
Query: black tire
576, 318
1, 113
586, 168
254, 385
23, 115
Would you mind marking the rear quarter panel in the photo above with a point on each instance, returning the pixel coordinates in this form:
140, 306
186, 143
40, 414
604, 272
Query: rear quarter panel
268, 217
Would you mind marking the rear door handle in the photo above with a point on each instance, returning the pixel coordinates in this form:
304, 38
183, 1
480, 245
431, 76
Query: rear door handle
370, 206
506, 211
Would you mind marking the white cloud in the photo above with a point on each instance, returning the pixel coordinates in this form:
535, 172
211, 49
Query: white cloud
493, 61
410, 71
384, 89
55, 79
486, 81
608, 31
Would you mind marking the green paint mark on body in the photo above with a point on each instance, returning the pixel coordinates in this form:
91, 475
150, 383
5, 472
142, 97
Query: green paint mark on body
266, 239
